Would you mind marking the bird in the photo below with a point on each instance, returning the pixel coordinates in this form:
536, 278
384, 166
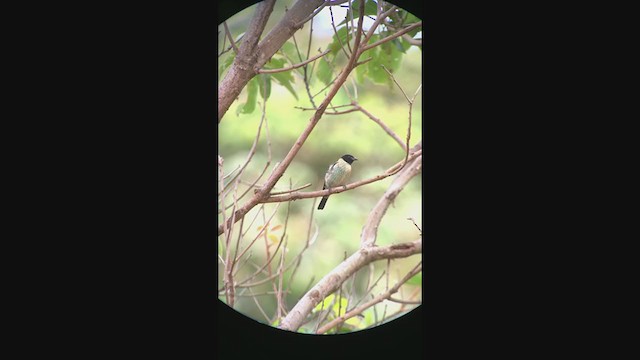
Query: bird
337, 175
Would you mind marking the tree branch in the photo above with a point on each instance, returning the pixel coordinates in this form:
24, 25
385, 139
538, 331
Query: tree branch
392, 36
334, 279
382, 125
370, 230
312, 194
228, 33
252, 56
295, 66
241, 71
263, 193
384, 296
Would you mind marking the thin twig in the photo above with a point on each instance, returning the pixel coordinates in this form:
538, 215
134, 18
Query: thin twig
392, 36
376, 23
412, 41
406, 302
233, 43
319, 193
313, 14
260, 233
334, 279
384, 126
372, 302
279, 170
308, 242
335, 31
416, 225
410, 101
252, 151
295, 66
396, 82
260, 307
307, 74
291, 190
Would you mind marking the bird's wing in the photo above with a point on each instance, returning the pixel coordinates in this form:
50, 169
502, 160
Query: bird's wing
328, 174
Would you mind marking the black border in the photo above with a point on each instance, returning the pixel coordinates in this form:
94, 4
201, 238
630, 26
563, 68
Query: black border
117, 162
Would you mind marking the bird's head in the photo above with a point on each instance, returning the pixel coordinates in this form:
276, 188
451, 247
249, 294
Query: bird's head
349, 158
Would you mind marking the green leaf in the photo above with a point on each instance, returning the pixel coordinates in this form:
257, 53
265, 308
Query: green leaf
390, 56
274, 239
226, 62
415, 279
341, 307
250, 105
361, 72
411, 19
265, 85
275, 63
289, 49
325, 303
342, 35
405, 44
286, 79
399, 44
355, 321
370, 7
346, 328
386, 54
374, 68
323, 72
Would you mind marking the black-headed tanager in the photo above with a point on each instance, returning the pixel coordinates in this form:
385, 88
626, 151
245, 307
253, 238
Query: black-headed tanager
337, 175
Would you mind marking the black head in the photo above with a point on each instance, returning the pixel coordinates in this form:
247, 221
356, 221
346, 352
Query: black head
349, 158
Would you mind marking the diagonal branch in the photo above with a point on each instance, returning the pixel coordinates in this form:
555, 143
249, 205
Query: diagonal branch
253, 55
295, 66
263, 192
334, 279
370, 230
312, 194
384, 296
393, 36
382, 125
228, 33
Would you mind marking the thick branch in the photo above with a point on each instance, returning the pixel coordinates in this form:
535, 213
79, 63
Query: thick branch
246, 65
242, 70
384, 296
263, 193
370, 230
333, 280
283, 30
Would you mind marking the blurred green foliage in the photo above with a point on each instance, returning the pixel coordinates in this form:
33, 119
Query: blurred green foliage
336, 229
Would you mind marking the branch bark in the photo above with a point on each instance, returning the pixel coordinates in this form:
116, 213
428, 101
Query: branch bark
332, 281
370, 230
416, 152
263, 192
384, 296
252, 56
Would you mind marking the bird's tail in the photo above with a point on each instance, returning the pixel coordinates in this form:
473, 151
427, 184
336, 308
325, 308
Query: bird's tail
322, 202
